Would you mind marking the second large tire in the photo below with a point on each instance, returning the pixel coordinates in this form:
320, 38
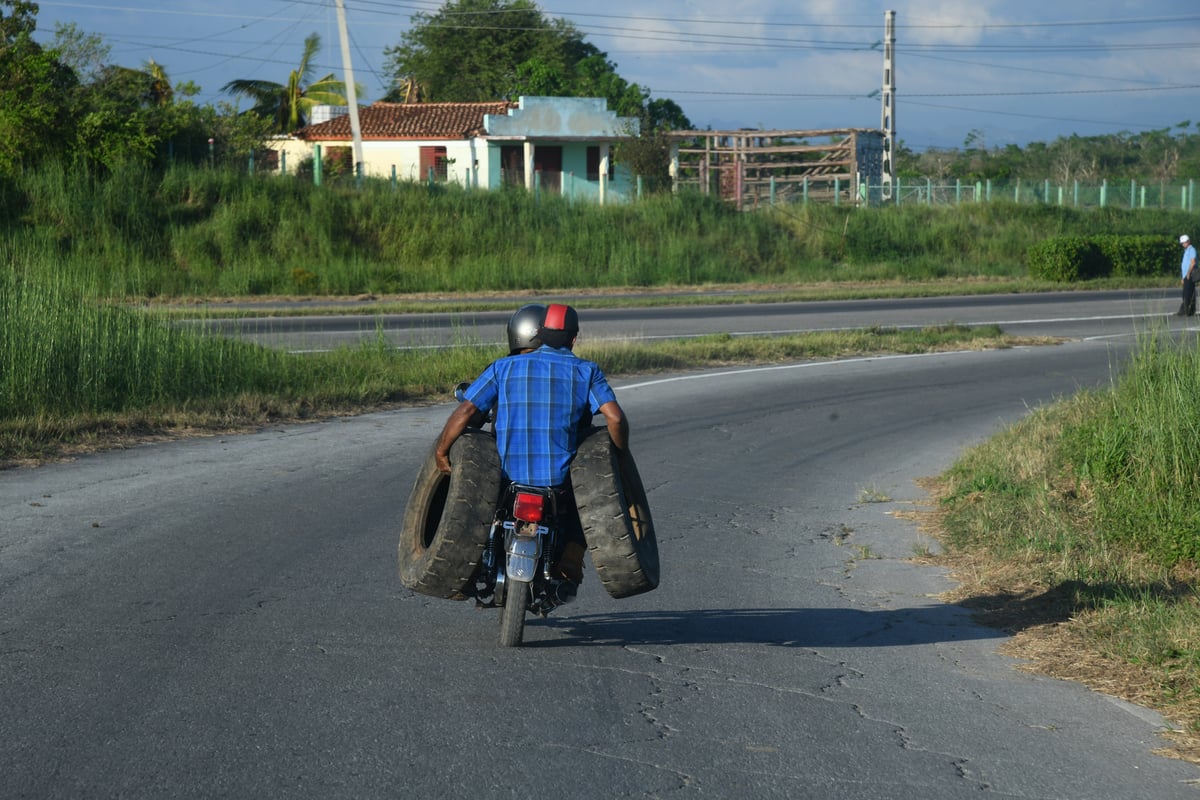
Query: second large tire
447, 518
615, 515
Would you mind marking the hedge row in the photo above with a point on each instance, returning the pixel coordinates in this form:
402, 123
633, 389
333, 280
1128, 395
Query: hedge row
1076, 258
1080, 258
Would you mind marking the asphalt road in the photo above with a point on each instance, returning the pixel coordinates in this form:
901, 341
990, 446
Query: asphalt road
1052, 313
220, 617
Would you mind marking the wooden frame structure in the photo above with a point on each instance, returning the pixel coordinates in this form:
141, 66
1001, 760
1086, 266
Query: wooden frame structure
753, 168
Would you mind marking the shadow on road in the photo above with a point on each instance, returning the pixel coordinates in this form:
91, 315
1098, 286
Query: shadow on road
804, 627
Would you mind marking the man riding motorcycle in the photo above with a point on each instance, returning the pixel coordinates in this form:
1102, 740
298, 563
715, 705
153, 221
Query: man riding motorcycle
540, 399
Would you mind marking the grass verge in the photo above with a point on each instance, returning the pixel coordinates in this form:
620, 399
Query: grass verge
1078, 531
76, 377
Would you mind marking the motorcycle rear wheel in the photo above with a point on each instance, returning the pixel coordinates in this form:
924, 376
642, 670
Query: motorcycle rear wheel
512, 615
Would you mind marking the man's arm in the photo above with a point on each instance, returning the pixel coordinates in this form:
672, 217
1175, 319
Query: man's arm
618, 425
455, 425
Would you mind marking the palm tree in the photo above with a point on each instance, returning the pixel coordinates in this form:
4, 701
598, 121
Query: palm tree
288, 104
161, 92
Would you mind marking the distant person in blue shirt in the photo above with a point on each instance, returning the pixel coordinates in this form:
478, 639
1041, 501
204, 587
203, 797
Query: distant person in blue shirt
1188, 276
541, 398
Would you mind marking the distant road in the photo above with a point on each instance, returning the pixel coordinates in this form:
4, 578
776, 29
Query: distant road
1051, 314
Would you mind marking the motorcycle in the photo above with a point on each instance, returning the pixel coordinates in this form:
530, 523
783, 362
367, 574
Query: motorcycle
472, 535
517, 571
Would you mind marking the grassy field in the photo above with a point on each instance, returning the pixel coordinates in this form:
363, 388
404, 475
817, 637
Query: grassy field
1078, 529
197, 233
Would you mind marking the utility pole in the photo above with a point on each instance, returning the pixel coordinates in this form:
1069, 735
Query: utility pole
351, 90
887, 121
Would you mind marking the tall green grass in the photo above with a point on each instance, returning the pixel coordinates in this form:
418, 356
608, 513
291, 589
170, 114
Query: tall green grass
1140, 454
1103, 471
63, 353
63, 356
191, 231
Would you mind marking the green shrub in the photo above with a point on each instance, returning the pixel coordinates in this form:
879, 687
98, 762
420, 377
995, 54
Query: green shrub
1132, 256
1065, 258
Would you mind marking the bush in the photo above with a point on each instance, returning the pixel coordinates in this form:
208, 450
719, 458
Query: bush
1131, 256
1064, 259
1072, 258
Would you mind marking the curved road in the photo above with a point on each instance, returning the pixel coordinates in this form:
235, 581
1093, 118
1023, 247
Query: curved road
220, 617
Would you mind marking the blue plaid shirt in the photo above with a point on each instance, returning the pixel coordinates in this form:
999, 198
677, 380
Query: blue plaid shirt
539, 398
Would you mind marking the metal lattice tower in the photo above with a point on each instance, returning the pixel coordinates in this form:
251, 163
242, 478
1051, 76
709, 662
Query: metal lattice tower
887, 122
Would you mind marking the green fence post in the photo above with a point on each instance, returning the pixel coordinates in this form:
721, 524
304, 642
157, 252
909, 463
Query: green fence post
1076, 194
1132, 193
283, 163
1017, 192
639, 187
1060, 195
393, 177
978, 192
1143, 201
837, 190
1191, 199
989, 190
896, 190
957, 191
1103, 192
928, 192
316, 165
772, 191
805, 193
1046, 191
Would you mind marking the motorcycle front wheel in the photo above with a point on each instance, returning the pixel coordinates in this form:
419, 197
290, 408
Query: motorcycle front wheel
512, 615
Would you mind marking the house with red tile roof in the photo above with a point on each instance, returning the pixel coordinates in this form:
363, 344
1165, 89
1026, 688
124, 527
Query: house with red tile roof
556, 144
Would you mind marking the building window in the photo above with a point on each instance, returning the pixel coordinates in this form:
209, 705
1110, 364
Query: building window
434, 158
593, 163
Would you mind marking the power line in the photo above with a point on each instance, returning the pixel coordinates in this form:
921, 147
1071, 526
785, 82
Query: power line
699, 38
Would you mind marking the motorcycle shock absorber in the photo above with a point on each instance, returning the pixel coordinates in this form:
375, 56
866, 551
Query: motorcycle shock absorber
485, 576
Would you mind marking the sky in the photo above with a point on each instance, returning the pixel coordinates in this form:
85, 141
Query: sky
995, 72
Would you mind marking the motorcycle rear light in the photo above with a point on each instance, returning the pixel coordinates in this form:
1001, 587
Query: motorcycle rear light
528, 507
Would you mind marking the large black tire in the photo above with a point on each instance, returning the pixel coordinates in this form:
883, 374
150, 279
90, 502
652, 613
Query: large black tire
447, 519
615, 515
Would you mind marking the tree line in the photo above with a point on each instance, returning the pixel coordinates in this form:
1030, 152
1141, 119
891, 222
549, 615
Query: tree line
1168, 155
66, 101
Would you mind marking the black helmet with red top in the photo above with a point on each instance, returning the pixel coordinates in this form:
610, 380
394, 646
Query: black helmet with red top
560, 325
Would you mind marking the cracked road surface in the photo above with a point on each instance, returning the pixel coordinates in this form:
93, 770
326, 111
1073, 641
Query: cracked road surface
221, 617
